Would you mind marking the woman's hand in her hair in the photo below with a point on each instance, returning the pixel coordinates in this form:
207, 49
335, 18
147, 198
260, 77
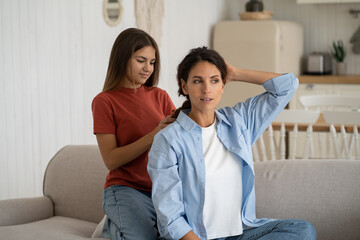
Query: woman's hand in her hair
230, 72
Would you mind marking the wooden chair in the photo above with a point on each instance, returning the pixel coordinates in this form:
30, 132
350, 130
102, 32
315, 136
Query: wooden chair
287, 120
350, 147
325, 103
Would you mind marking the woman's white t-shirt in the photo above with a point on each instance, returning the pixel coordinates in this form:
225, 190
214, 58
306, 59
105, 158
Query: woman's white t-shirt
223, 188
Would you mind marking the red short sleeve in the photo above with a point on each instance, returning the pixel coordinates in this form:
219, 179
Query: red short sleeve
103, 116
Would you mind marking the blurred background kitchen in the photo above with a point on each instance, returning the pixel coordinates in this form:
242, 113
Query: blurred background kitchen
54, 56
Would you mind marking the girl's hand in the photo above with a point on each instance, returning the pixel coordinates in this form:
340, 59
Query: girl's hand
163, 123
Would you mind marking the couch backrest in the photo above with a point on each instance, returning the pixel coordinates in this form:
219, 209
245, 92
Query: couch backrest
324, 192
74, 180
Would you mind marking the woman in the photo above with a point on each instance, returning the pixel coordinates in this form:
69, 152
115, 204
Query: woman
127, 114
201, 165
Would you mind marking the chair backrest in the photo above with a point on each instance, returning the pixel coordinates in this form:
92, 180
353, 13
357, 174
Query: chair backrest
307, 117
329, 102
349, 122
275, 147
297, 116
336, 117
74, 180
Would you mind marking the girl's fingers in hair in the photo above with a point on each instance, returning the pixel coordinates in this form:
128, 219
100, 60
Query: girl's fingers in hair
168, 119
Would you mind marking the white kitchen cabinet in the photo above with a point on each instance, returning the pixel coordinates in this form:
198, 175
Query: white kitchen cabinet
316, 89
346, 89
326, 1
309, 89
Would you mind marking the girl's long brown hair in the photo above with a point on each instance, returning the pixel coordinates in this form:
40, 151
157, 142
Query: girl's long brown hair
128, 42
197, 55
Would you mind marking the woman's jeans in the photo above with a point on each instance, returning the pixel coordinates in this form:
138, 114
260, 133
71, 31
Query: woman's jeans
130, 214
289, 229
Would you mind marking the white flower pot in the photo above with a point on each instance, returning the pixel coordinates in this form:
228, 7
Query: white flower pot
340, 68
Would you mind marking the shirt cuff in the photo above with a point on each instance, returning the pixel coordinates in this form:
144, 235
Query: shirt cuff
179, 228
281, 83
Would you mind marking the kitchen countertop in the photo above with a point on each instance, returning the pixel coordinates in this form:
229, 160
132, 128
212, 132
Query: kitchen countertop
330, 79
319, 126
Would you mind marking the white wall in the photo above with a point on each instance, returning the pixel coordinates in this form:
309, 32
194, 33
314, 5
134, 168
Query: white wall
53, 60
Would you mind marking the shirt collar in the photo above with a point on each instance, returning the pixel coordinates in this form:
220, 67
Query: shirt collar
221, 118
184, 120
188, 124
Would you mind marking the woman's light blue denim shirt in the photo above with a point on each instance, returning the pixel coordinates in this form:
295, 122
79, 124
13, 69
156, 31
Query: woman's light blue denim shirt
176, 162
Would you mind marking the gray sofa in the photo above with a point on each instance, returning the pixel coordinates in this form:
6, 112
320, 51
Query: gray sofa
324, 192
71, 207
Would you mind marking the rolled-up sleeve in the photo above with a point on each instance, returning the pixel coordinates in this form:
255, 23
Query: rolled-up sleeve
167, 195
282, 85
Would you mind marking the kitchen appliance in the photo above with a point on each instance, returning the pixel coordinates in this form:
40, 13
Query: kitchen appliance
273, 46
318, 63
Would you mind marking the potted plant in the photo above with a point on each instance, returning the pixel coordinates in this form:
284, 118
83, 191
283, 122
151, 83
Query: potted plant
339, 54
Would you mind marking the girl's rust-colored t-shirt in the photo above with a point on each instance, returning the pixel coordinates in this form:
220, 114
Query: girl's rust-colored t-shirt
130, 115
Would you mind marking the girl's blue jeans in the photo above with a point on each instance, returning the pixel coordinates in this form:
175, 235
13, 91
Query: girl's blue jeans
130, 214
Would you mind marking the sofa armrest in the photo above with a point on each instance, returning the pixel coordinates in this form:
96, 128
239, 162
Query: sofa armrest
25, 210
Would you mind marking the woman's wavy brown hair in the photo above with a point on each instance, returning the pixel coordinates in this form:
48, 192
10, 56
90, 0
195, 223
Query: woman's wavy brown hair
197, 55
128, 42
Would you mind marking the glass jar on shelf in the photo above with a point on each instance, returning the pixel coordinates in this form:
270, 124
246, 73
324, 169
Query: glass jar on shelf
254, 6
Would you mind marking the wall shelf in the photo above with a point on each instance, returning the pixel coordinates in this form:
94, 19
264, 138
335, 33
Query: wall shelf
330, 79
326, 1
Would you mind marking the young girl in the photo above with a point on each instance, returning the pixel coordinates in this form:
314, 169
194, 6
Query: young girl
201, 166
127, 114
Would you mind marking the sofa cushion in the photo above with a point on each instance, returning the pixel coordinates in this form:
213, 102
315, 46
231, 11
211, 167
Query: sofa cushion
74, 180
98, 231
52, 228
324, 192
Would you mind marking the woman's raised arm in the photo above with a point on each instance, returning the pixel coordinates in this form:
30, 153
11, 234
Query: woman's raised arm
250, 76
